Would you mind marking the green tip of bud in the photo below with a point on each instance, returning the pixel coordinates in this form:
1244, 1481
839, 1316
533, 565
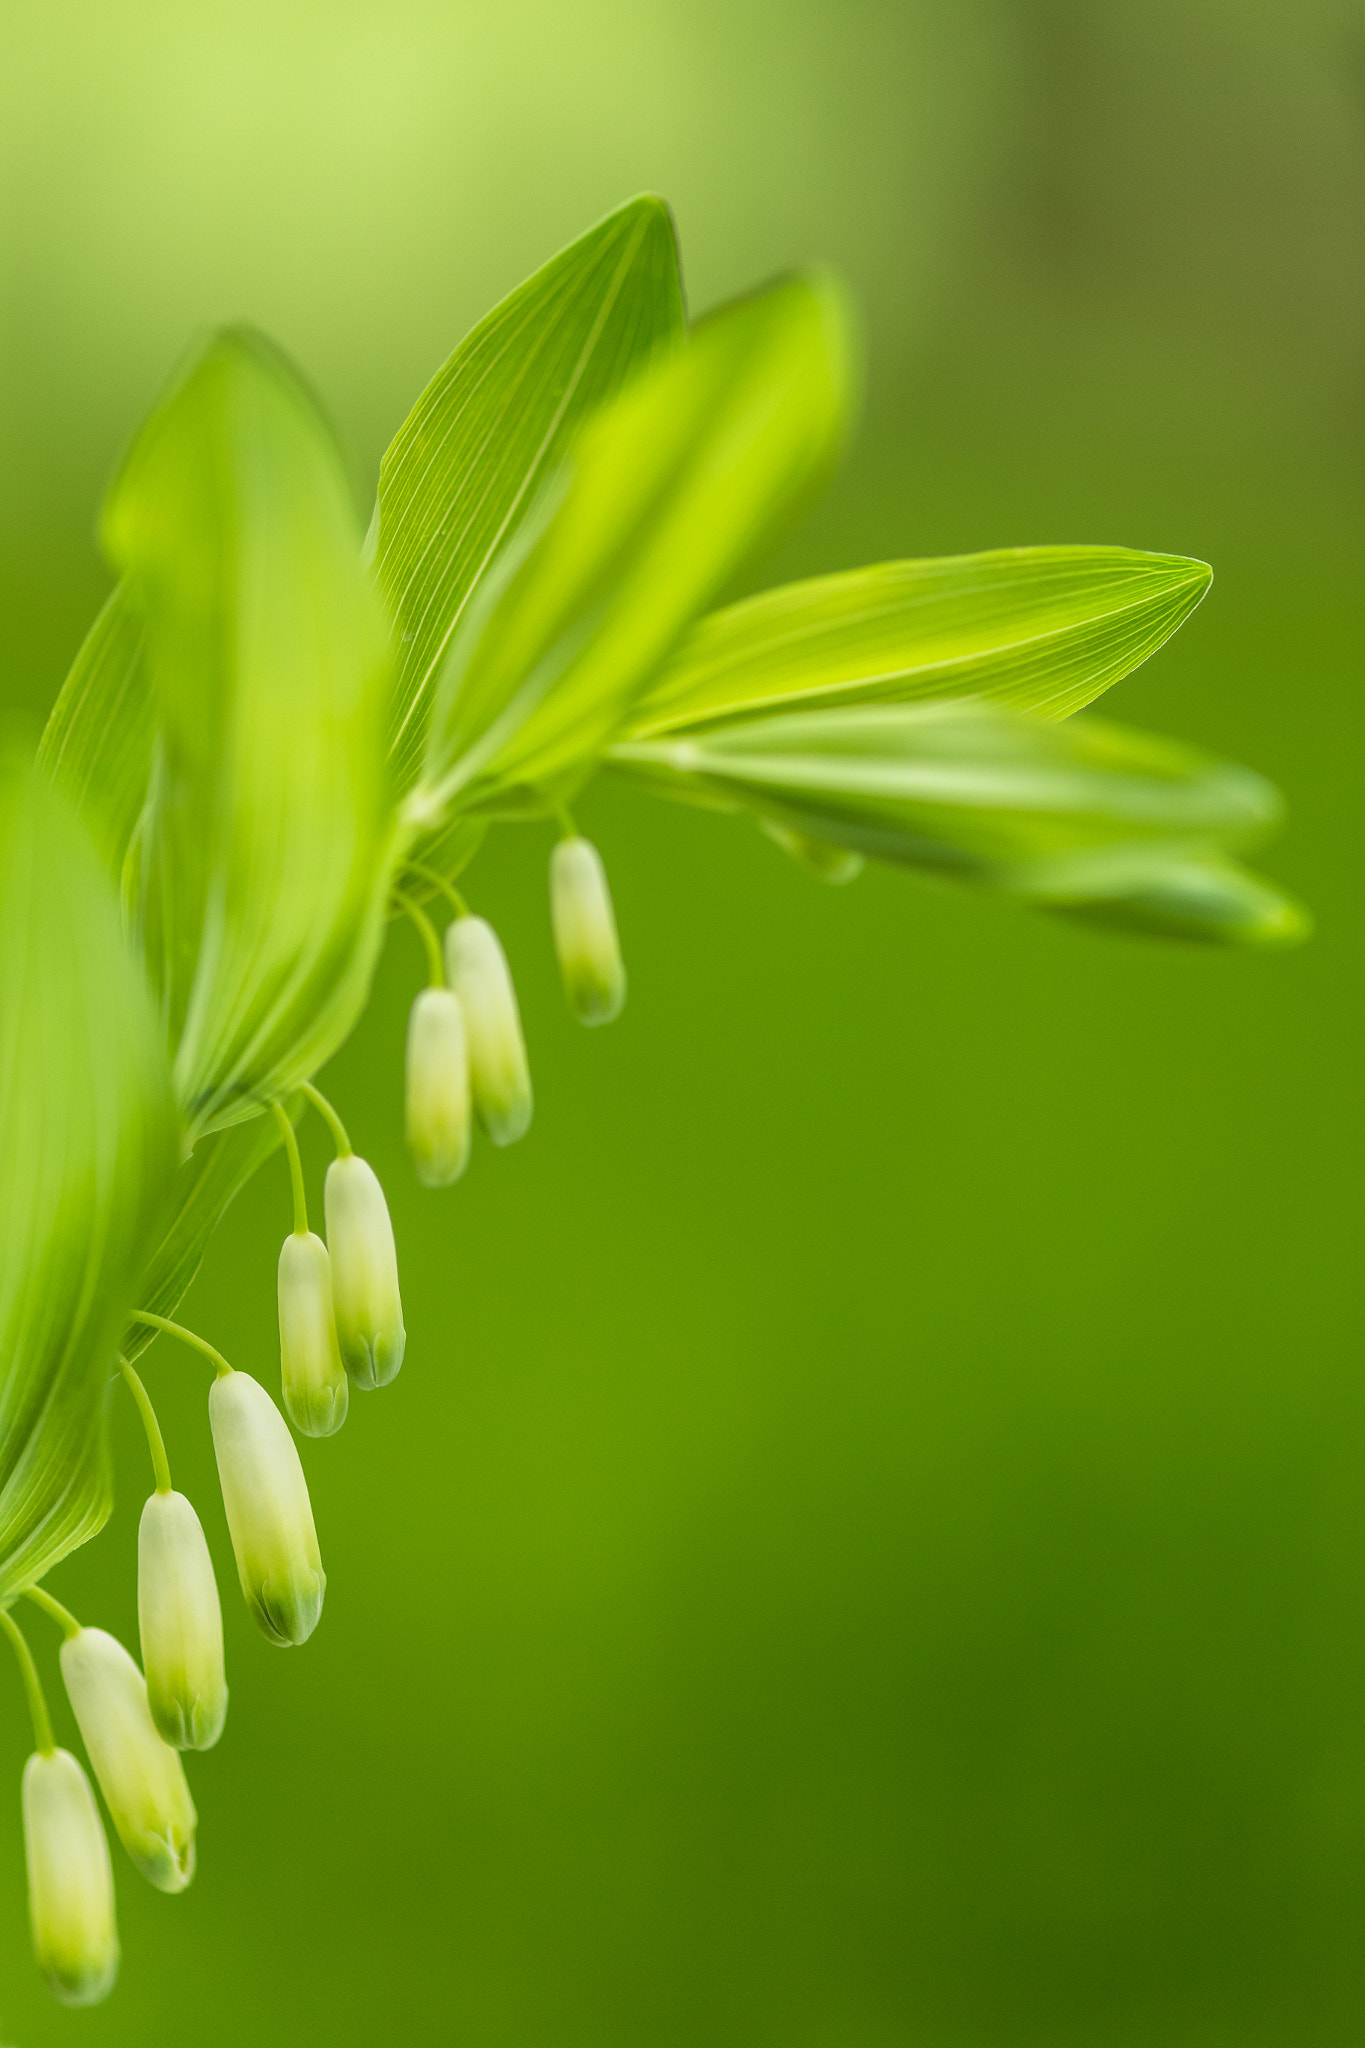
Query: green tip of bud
311, 1372
70, 1881
437, 1088
477, 970
180, 1622
365, 1299
584, 926
269, 1514
141, 1777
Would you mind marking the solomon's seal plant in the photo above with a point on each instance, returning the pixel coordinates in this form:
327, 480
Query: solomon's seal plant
281, 735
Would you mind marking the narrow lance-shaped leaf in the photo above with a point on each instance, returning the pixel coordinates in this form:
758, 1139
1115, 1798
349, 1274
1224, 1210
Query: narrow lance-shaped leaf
97, 745
496, 420
87, 1155
667, 491
1042, 629
1059, 814
269, 840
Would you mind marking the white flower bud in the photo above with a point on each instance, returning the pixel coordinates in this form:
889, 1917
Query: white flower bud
269, 1515
180, 1622
365, 1297
311, 1372
70, 1882
437, 1083
477, 970
141, 1777
584, 926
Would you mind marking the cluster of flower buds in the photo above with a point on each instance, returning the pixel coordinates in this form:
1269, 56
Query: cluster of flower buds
341, 1324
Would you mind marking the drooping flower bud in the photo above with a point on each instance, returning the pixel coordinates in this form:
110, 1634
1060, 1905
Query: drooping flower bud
311, 1372
365, 1298
477, 970
584, 926
269, 1514
180, 1621
437, 1088
70, 1881
141, 1777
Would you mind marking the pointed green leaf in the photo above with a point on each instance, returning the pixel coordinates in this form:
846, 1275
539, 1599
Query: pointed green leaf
88, 1146
1056, 813
268, 843
97, 746
464, 468
668, 489
1211, 900
1043, 629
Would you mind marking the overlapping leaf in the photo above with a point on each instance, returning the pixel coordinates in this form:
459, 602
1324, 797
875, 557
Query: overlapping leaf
1084, 813
87, 1155
496, 421
268, 840
97, 746
1044, 629
666, 492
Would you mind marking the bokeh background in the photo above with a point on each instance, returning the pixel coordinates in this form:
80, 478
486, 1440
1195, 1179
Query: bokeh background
868, 1547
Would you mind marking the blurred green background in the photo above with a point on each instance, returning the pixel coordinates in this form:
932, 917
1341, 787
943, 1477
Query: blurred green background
868, 1547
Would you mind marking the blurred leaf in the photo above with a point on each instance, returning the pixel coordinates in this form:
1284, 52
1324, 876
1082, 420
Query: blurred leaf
1044, 629
668, 489
464, 467
268, 841
87, 1155
97, 746
1057, 813
1213, 899
205, 1186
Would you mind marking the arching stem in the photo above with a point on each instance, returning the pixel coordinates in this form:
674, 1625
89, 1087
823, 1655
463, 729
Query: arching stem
144, 1315
438, 881
427, 932
291, 1146
320, 1103
63, 1616
33, 1686
155, 1441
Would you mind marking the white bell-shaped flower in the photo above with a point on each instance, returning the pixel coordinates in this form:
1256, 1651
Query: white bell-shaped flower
584, 926
365, 1300
70, 1881
141, 1777
311, 1372
477, 970
180, 1621
437, 1088
269, 1514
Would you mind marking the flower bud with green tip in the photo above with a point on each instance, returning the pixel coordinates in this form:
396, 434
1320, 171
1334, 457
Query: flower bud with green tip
269, 1515
311, 1371
141, 1777
584, 926
70, 1881
477, 970
180, 1622
365, 1297
437, 1088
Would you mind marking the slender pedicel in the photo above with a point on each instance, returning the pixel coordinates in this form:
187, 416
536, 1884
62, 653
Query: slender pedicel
477, 971
70, 1879
584, 926
312, 1376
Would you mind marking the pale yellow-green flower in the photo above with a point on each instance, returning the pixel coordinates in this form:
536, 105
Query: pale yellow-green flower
180, 1622
269, 1514
365, 1298
311, 1372
477, 970
141, 1777
70, 1882
437, 1111
584, 926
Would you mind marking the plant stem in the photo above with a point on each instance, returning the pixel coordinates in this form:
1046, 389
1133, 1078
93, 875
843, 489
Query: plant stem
63, 1616
291, 1146
144, 1315
438, 881
427, 931
320, 1102
37, 1705
155, 1441
567, 827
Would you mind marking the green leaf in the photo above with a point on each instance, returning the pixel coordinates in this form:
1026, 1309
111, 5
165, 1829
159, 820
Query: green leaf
667, 491
464, 468
97, 746
205, 1186
268, 841
1056, 813
87, 1155
1211, 900
1043, 629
